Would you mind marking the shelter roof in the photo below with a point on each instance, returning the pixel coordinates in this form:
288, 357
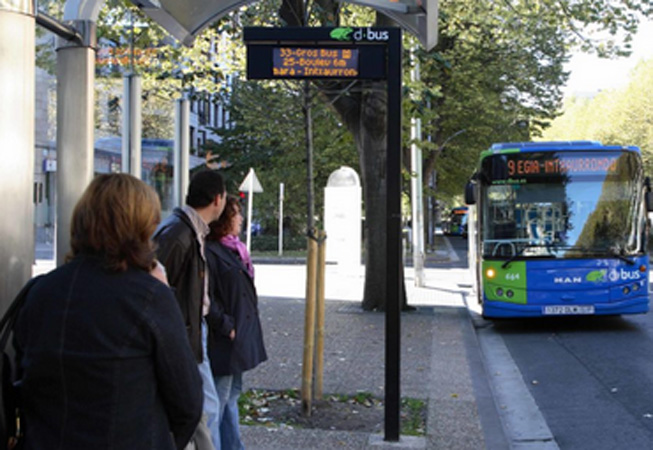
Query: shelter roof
185, 19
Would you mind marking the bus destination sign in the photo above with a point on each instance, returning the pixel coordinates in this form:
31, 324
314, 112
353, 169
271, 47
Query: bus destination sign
306, 62
524, 167
558, 165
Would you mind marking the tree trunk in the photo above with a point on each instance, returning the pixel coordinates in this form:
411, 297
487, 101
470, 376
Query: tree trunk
364, 114
363, 109
372, 143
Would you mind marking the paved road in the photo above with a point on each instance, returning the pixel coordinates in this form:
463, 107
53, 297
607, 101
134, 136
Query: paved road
585, 383
592, 378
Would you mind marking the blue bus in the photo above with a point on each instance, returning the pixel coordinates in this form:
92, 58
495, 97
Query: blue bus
457, 222
559, 228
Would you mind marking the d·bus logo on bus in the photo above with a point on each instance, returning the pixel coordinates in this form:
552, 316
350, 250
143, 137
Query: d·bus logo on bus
598, 276
621, 274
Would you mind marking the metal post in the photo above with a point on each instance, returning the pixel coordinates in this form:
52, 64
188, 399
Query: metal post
181, 151
393, 239
416, 190
250, 201
280, 219
17, 150
75, 127
416, 200
131, 126
431, 213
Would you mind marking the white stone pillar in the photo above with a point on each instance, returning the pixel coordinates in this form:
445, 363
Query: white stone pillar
17, 25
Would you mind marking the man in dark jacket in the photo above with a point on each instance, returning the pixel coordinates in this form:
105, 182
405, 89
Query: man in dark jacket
180, 240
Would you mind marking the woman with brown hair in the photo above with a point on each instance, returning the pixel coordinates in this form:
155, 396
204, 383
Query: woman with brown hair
236, 340
101, 345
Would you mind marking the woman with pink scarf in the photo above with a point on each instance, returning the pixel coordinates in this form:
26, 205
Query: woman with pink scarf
236, 338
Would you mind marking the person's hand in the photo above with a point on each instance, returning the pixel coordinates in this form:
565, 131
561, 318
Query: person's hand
159, 272
232, 334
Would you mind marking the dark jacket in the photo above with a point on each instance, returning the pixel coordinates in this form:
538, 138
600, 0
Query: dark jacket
234, 306
180, 253
105, 362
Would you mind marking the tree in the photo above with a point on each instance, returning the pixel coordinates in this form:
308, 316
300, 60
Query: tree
614, 117
268, 135
496, 63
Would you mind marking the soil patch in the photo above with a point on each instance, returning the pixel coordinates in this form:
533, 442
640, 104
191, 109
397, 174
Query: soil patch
359, 412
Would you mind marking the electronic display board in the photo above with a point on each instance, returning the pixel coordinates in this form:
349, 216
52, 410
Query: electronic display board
321, 62
557, 165
278, 61
522, 166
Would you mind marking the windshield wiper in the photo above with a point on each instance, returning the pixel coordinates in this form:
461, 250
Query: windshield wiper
620, 254
612, 252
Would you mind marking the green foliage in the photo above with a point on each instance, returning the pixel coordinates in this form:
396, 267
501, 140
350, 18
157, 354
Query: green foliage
132, 43
269, 136
616, 116
497, 67
497, 72
413, 416
491, 73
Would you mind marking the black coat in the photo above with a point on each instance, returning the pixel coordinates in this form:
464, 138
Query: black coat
234, 306
105, 362
180, 253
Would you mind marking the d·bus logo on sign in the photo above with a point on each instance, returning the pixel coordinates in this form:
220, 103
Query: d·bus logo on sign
358, 34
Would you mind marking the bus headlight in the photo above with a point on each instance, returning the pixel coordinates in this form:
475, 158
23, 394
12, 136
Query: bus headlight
499, 292
509, 293
626, 290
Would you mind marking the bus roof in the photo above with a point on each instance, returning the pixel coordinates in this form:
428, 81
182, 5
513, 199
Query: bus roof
555, 146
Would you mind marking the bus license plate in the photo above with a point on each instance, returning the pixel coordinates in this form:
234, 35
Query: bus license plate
568, 309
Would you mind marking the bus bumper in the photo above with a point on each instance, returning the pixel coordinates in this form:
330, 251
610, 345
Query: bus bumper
635, 305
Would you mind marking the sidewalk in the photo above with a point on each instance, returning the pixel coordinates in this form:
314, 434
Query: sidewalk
440, 360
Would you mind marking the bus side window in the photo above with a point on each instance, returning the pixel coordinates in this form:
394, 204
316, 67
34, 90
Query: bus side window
505, 230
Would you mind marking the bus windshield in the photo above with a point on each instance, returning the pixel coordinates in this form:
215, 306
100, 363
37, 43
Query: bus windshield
562, 205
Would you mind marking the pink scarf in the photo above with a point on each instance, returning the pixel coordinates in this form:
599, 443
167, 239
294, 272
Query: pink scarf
233, 242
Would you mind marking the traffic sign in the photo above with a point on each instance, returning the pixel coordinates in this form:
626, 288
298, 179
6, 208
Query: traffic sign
251, 183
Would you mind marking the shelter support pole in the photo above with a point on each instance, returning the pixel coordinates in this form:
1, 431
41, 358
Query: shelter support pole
181, 172
17, 26
75, 125
131, 125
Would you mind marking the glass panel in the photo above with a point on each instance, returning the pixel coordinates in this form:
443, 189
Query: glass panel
158, 170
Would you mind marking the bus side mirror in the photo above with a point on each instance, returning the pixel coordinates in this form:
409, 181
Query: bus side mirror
470, 193
648, 198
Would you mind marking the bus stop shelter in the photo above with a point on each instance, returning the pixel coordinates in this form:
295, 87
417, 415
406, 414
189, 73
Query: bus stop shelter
75, 74
183, 19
